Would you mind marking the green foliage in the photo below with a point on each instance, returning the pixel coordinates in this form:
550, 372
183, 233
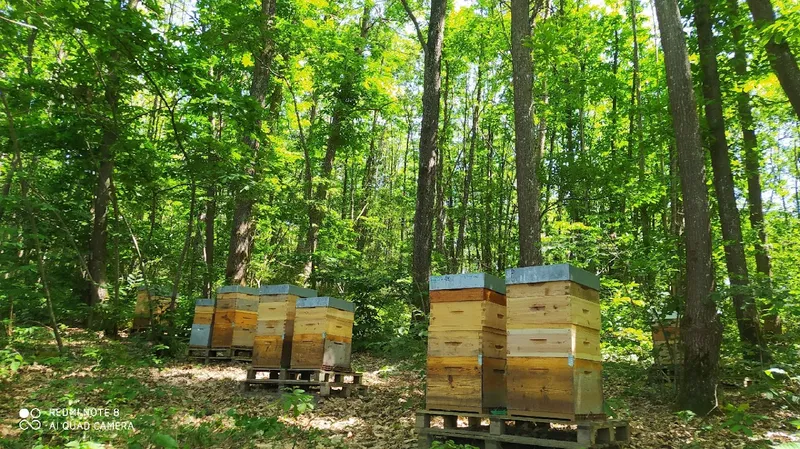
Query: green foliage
449, 444
739, 419
295, 402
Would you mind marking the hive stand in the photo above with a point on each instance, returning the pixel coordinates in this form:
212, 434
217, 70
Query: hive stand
272, 346
327, 382
323, 334
554, 367
499, 431
466, 343
235, 319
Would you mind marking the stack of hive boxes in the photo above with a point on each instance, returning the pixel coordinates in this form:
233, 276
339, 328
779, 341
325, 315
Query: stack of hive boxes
235, 317
323, 333
145, 311
666, 337
272, 347
466, 343
201, 325
554, 367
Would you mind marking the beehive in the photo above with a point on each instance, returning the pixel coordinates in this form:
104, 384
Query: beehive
323, 333
235, 317
272, 347
145, 312
554, 367
666, 337
201, 325
466, 343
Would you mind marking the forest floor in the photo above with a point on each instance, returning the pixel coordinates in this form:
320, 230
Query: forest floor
182, 404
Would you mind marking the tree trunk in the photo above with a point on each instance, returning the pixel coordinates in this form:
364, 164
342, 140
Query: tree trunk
527, 160
465, 194
426, 178
752, 164
208, 251
743, 300
780, 55
242, 232
701, 328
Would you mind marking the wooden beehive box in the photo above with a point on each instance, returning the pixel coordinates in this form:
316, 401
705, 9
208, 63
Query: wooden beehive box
272, 347
235, 317
466, 343
554, 367
323, 333
146, 311
201, 324
666, 338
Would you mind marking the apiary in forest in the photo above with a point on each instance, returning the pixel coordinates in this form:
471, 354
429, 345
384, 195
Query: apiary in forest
323, 333
235, 317
466, 343
554, 367
272, 346
149, 307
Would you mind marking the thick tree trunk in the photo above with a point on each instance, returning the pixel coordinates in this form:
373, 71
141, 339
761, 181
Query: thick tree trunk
426, 177
243, 230
527, 160
701, 328
99, 236
752, 164
742, 294
781, 58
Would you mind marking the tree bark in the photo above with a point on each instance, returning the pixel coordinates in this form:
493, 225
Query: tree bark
752, 164
426, 177
701, 328
735, 260
243, 230
527, 160
465, 194
781, 58
341, 113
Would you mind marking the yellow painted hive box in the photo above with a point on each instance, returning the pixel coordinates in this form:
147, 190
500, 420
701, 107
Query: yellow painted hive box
466, 343
272, 346
323, 334
554, 363
235, 317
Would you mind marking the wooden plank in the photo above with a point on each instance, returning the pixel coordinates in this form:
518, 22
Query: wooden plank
530, 312
494, 383
203, 318
457, 343
467, 294
272, 310
243, 336
271, 327
555, 288
505, 438
454, 383
221, 336
554, 387
467, 315
576, 341
666, 333
267, 351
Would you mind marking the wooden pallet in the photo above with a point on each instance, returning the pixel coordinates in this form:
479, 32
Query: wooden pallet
328, 382
206, 355
499, 431
242, 353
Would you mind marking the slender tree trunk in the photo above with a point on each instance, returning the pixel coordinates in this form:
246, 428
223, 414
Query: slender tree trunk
426, 177
208, 252
367, 185
752, 163
701, 328
781, 58
465, 194
341, 113
243, 229
743, 300
527, 160
187, 245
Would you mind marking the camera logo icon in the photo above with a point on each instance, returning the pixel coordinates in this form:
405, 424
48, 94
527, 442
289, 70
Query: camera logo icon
29, 419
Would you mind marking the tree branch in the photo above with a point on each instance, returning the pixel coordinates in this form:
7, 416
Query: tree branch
410, 13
